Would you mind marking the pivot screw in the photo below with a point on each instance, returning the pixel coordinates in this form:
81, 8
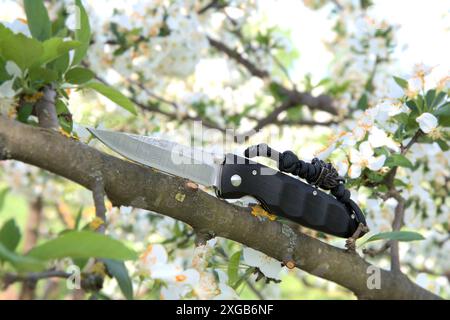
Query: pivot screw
315, 193
236, 180
254, 172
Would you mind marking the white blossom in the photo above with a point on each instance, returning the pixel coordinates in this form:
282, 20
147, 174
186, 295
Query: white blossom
7, 94
427, 122
13, 70
269, 266
364, 157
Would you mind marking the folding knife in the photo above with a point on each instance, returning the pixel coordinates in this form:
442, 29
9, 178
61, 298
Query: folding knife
233, 177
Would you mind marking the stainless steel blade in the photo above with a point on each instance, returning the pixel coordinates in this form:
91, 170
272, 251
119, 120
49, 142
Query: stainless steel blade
173, 158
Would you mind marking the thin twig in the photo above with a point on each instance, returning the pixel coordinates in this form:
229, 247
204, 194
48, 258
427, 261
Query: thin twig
239, 58
396, 225
375, 252
98, 192
45, 109
247, 281
213, 4
33, 277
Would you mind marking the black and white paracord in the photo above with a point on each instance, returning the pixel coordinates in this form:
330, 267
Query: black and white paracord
317, 173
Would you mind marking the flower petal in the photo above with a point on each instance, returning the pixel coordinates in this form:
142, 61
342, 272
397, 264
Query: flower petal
154, 255
13, 69
269, 266
188, 277
427, 122
355, 156
171, 292
6, 89
377, 137
376, 163
342, 167
366, 149
226, 293
166, 272
354, 171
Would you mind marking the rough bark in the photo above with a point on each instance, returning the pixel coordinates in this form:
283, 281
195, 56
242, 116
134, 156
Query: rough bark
130, 184
45, 109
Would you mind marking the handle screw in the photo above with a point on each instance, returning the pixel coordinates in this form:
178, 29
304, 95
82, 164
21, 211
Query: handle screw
236, 180
290, 264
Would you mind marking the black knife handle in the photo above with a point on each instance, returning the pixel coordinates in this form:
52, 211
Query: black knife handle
285, 196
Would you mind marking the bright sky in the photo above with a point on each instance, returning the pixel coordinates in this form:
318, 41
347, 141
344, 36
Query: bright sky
424, 34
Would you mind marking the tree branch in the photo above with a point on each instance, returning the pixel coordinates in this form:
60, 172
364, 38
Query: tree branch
98, 193
323, 102
45, 109
375, 252
171, 115
239, 58
396, 225
400, 208
130, 184
10, 278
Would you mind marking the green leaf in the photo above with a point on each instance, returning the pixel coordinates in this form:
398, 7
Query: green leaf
443, 114
21, 263
79, 75
42, 76
443, 145
61, 64
25, 112
429, 98
396, 235
374, 176
244, 277
55, 48
83, 34
83, 244
118, 270
78, 218
80, 262
4, 75
420, 102
22, 50
5, 32
64, 116
439, 98
277, 91
38, 20
3, 194
401, 82
10, 235
66, 124
233, 268
61, 107
362, 102
398, 160
411, 104
113, 95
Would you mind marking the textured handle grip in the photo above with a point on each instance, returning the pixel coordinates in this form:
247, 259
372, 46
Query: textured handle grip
285, 196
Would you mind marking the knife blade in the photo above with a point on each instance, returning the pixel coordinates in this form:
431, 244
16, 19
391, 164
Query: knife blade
169, 157
234, 177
